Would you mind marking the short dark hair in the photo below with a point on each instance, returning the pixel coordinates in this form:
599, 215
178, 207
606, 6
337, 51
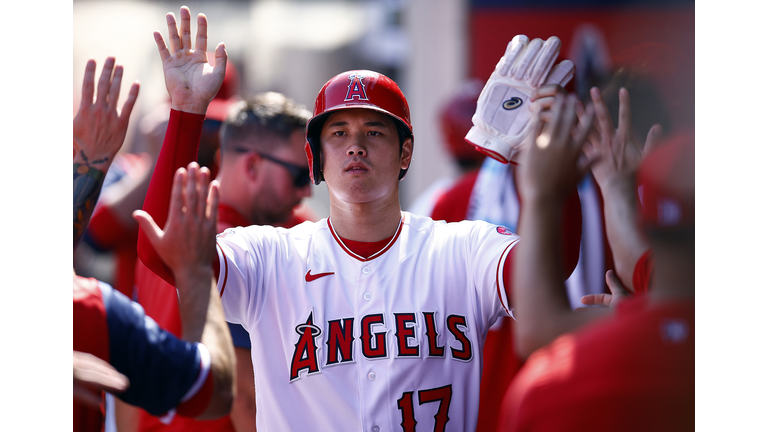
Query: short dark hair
265, 114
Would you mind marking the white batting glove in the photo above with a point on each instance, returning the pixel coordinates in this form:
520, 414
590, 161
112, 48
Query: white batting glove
501, 121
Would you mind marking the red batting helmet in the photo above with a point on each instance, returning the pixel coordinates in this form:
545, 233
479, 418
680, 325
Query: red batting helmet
456, 120
354, 89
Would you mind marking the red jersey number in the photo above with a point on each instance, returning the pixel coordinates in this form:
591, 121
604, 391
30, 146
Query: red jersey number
439, 394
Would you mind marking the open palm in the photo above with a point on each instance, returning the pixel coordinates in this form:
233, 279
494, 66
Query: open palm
191, 80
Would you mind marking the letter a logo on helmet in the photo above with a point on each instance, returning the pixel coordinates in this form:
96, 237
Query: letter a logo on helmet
356, 88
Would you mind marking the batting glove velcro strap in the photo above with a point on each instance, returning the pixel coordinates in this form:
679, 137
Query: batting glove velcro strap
502, 118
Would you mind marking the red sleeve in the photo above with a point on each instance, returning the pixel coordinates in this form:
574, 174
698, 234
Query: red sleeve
641, 277
453, 203
180, 147
106, 230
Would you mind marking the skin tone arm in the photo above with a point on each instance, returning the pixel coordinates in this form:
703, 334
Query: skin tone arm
98, 133
187, 246
614, 173
552, 165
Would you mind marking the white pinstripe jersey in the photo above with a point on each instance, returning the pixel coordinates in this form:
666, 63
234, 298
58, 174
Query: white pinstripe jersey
389, 343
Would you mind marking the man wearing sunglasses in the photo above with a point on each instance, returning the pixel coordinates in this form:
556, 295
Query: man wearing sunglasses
263, 176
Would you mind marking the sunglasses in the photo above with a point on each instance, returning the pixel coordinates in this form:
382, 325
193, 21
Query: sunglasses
299, 174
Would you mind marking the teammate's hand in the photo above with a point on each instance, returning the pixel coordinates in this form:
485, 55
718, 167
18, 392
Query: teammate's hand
91, 374
553, 162
187, 245
502, 119
190, 79
619, 154
618, 293
98, 130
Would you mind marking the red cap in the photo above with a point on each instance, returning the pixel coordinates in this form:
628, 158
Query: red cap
666, 184
456, 120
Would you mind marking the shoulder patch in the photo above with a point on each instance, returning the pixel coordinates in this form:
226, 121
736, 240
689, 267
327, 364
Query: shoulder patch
503, 230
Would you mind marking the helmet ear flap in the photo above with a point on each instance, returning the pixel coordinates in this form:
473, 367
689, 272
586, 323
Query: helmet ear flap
314, 159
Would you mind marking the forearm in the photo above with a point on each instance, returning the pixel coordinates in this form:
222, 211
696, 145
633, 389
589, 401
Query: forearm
202, 320
541, 303
624, 236
180, 147
244, 406
87, 183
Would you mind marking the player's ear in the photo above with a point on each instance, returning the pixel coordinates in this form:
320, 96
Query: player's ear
406, 154
252, 165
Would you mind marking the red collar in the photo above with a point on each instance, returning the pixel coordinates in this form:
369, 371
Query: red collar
230, 217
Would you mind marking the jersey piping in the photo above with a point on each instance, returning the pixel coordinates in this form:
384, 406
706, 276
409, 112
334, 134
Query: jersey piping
374, 256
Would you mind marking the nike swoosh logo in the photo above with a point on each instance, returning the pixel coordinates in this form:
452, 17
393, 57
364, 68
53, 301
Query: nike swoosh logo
310, 277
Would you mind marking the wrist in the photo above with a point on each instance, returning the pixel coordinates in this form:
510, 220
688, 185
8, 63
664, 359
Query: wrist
187, 276
190, 107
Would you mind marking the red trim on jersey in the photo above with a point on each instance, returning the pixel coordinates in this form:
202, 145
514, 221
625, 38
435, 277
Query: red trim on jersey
641, 276
226, 270
498, 284
354, 255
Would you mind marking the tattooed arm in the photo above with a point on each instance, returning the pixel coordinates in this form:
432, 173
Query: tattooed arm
98, 133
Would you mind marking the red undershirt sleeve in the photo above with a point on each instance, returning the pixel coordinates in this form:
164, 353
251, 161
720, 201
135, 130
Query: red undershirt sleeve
180, 147
641, 277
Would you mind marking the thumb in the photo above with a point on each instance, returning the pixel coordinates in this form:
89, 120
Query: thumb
148, 225
220, 56
653, 138
615, 285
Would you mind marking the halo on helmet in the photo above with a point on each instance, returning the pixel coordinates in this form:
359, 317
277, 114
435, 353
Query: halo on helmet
355, 89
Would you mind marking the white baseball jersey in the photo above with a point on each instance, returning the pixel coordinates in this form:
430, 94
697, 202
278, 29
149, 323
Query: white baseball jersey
389, 343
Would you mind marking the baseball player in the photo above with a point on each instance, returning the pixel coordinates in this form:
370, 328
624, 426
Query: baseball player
144, 365
372, 319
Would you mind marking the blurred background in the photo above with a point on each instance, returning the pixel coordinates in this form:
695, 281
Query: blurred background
429, 47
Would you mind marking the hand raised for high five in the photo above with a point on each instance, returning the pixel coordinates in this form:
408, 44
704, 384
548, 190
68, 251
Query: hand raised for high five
187, 244
191, 80
98, 130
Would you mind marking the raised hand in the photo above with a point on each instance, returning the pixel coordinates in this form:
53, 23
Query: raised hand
187, 245
553, 161
191, 80
619, 153
618, 293
98, 130
502, 119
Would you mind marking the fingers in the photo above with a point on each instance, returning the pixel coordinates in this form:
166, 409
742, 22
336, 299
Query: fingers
87, 95
191, 190
528, 57
614, 284
625, 116
596, 299
114, 88
604, 122
562, 73
514, 48
203, 177
186, 32
148, 225
546, 91
176, 208
125, 113
173, 32
213, 201
201, 40
653, 139
538, 73
161, 48
220, 56
104, 79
